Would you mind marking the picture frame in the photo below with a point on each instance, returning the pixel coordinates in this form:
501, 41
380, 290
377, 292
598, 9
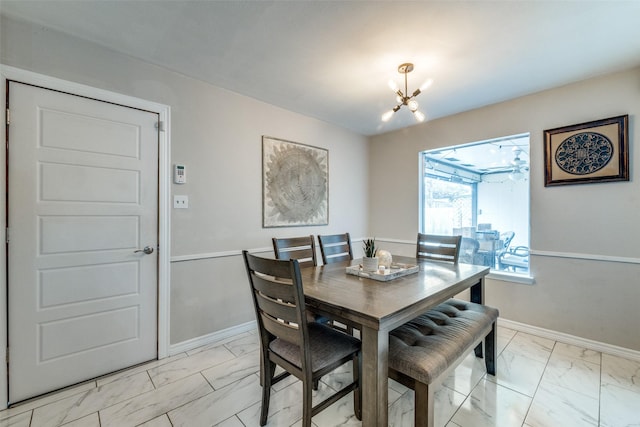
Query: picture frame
590, 152
295, 184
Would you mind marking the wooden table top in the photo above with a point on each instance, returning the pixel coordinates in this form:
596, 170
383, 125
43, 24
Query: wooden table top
385, 305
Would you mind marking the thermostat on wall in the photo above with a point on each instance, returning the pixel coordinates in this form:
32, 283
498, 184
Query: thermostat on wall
179, 174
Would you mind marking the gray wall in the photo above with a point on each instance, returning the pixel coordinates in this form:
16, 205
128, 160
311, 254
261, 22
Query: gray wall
217, 135
579, 233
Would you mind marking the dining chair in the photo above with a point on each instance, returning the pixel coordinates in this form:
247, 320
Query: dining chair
505, 241
514, 258
506, 237
438, 248
307, 350
301, 248
335, 248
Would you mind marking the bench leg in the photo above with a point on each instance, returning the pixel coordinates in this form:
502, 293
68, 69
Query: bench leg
490, 348
478, 350
424, 416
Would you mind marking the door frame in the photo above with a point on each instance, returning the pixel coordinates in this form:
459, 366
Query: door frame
164, 207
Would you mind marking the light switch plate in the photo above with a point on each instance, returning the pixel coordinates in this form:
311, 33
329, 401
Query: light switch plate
180, 202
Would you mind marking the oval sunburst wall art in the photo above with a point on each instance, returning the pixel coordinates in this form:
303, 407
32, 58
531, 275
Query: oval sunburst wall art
295, 184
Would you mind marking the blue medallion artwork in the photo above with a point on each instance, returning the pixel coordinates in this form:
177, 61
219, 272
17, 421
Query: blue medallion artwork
584, 153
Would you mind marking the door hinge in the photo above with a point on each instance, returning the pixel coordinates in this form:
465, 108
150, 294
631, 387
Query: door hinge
160, 126
6, 235
8, 116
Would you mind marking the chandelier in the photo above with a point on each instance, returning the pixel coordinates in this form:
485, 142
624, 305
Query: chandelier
404, 98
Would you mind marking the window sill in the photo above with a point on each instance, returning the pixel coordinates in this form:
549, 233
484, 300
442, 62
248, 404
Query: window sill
524, 279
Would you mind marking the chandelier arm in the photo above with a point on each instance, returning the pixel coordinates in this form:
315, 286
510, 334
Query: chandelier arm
406, 89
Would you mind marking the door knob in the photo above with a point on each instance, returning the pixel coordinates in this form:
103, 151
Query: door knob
147, 250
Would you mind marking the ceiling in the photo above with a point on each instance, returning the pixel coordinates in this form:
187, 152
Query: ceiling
478, 159
332, 59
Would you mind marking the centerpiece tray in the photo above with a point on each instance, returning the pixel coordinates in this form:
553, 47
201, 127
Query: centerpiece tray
396, 270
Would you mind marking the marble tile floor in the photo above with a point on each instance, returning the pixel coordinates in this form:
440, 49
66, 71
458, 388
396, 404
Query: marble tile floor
540, 383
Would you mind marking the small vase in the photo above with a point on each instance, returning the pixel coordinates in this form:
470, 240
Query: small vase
370, 264
385, 258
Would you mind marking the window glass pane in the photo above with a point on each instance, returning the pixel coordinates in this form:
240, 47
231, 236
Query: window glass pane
447, 205
480, 191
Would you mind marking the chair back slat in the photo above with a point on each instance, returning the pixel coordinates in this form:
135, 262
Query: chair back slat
272, 287
288, 332
339, 249
301, 248
438, 248
278, 299
302, 255
267, 267
276, 309
335, 248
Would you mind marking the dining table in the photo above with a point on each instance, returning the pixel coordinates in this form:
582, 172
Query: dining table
376, 307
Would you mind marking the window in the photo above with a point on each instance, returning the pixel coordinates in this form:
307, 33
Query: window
480, 191
447, 204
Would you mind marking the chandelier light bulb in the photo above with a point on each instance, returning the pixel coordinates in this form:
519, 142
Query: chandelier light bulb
419, 116
394, 87
413, 105
386, 116
399, 99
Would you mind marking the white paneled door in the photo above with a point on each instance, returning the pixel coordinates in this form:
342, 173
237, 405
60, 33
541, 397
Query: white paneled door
83, 232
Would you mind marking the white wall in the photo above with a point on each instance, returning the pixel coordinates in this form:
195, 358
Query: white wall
584, 238
217, 135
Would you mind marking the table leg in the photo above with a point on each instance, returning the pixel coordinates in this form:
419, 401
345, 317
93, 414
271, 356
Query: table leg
477, 296
477, 292
375, 351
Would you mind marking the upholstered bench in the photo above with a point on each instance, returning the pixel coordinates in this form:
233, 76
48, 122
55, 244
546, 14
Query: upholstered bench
421, 350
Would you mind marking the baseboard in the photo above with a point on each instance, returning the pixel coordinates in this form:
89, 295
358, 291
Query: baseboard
517, 326
211, 338
571, 339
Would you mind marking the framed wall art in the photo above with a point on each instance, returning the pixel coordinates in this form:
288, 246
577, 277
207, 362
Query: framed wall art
589, 152
295, 184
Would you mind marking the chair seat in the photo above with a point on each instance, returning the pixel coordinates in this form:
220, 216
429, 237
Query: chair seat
327, 346
517, 257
